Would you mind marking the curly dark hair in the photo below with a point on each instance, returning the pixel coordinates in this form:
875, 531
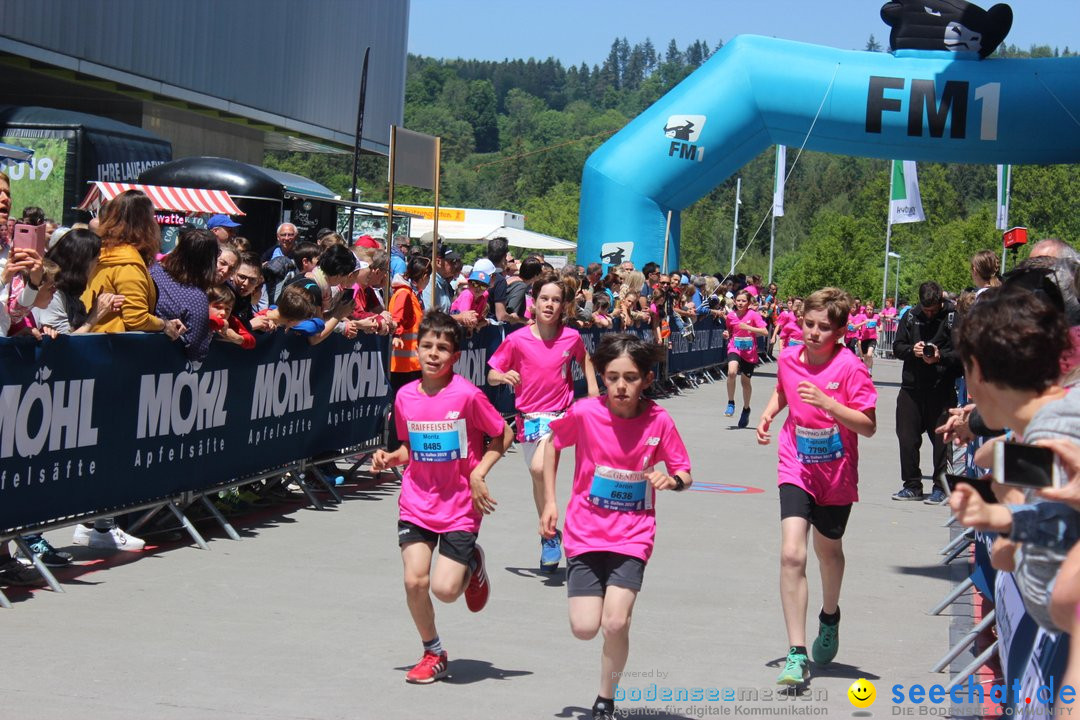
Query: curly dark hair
1017, 337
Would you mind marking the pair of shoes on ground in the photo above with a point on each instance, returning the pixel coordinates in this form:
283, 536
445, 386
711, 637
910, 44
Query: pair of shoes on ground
937, 497
111, 539
797, 666
744, 416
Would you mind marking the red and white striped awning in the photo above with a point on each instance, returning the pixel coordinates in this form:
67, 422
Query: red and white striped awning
173, 199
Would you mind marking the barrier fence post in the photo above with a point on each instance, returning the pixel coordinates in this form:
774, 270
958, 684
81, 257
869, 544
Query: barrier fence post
187, 526
216, 514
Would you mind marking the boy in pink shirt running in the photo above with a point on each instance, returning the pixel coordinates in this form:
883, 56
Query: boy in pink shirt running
831, 400
536, 362
443, 420
610, 526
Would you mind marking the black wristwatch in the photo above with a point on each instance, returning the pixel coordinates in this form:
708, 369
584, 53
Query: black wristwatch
679, 484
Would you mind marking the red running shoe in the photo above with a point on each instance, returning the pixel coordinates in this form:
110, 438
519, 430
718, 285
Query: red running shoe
430, 668
478, 589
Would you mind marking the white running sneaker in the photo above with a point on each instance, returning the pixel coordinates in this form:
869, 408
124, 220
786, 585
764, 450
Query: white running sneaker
114, 539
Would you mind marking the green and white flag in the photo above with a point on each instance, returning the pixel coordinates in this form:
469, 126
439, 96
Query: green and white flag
778, 181
905, 205
1004, 184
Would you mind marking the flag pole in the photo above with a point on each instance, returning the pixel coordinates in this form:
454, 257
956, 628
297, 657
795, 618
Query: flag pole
735, 232
667, 241
435, 221
390, 212
778, 201
1003, 209
353, 194
772, 245
888, 234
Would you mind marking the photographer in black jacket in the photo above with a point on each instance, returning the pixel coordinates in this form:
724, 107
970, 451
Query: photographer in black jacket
927, 389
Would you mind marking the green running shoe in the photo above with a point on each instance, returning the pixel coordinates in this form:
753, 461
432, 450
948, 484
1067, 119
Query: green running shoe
796, 670
826, 644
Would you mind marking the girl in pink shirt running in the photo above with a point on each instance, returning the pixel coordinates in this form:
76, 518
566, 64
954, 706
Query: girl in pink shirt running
620, 438
536, 362
831, 401
743, 327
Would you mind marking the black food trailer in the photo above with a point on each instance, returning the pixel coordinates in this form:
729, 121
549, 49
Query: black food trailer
267, 197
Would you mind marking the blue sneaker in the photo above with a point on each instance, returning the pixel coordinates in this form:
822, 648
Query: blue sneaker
937, 497
907, 494
730, 410
550, 553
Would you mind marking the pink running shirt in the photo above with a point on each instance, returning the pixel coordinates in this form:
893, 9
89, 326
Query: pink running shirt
547, 385
791, 333
816, 452
612, 505
465, 302
870, 329
446, 441
743, 342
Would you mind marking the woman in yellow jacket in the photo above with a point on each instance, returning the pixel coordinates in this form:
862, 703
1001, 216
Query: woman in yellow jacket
130, 240
407, 309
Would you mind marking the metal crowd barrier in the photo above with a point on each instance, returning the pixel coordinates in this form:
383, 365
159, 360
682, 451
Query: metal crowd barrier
97, 426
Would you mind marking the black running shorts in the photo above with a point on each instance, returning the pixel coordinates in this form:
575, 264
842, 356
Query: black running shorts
457, 546
745, 368
590, 574
829, 520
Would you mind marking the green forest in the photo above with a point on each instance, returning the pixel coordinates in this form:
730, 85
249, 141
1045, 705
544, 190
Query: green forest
516, 135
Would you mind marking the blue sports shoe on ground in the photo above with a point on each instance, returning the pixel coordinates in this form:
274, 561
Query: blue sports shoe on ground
550, 553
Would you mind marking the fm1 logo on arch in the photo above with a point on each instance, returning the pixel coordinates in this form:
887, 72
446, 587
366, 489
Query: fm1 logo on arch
923, 105
684, 131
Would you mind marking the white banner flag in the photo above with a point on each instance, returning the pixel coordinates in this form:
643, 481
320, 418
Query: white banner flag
905, 205
778, 184
1004, 177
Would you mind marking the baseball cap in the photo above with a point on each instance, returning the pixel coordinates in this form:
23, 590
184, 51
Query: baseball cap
447, 253
479, 276
220, 220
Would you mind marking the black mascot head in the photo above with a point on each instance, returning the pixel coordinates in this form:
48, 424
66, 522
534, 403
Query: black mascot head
953, 25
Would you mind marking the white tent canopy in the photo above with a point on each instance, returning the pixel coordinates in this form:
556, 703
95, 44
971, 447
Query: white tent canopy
474, 226
475, 233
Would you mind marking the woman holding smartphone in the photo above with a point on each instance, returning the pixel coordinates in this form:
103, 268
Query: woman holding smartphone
1011, 343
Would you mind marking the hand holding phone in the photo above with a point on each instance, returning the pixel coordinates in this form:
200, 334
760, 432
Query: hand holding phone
930, 350
982, 486
31, 237
1029, 466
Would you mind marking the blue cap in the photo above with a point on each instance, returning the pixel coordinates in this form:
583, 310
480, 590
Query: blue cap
220, 220
480, 276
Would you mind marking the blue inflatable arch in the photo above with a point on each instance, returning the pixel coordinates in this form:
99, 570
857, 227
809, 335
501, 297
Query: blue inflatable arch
932, 106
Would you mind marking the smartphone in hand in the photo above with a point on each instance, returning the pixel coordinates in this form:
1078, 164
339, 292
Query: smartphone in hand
1023, 465
981, 485
31, 237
